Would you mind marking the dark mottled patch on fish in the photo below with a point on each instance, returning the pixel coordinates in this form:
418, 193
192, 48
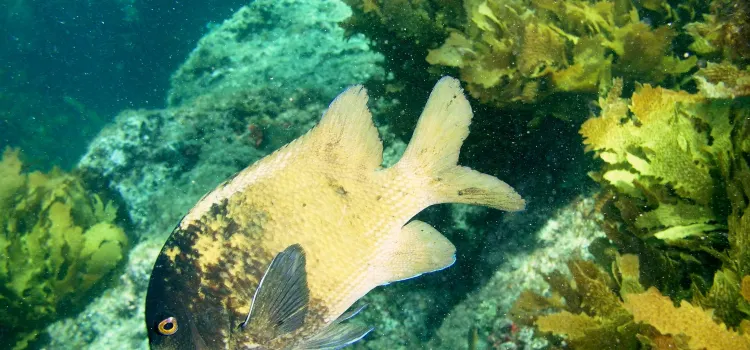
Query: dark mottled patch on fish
336, 186
177, 278
216, 271
218, 209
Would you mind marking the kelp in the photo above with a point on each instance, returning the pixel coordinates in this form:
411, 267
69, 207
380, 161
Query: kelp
601, 310
519, 52
586, 310
723, 81
523, 51
692, 322
675, 186
58, 240
663, 194
723, 33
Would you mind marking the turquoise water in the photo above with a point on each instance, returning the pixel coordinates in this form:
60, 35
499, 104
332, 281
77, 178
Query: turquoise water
623, 125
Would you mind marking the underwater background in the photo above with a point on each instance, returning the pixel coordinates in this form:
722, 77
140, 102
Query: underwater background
624, 124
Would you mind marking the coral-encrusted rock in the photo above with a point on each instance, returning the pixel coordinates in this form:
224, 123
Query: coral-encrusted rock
253, 83
567, 234
287, 44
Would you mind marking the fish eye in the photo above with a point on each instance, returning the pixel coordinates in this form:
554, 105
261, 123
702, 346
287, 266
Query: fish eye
167, 326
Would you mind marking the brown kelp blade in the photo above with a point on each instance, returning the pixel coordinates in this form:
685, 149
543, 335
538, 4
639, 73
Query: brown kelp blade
281, 300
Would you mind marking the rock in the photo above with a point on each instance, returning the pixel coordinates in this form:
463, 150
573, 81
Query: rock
567, 233
253, 83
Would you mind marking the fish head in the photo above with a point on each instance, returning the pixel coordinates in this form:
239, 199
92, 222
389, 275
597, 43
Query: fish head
168, 322
179, 315
183, 311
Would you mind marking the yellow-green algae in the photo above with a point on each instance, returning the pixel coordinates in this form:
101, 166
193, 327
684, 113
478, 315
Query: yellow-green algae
522, 51
674, 272
57, 241
601, 310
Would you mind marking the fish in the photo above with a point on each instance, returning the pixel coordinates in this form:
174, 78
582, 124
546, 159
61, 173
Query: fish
276, 256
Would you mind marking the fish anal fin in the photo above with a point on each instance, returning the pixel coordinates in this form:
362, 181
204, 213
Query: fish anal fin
281, 300
433, 154
418, 248
346, 135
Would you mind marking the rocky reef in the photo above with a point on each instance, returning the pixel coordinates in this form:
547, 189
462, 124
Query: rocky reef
486, 314
232, 103
252, 84
665, 85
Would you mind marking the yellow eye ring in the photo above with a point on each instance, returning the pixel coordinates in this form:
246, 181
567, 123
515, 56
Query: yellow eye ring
168, 326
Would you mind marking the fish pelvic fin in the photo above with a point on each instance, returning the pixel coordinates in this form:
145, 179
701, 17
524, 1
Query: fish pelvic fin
281, 300
434, 149
417, 249
346, 136
337, 334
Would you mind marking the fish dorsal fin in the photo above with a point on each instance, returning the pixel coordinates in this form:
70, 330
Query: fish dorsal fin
337, 334
280, 303
417, 249
346, 136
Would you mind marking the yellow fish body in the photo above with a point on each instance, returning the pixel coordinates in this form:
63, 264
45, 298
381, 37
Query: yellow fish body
273, 257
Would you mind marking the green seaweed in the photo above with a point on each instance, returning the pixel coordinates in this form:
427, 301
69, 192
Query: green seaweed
664, 197
723, 33
521, 51
601, 310
588, 311
675, 186
57, 242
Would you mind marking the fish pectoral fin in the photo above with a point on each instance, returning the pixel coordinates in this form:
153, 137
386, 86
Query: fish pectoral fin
346, 136
281, 300
338, 334
419, 248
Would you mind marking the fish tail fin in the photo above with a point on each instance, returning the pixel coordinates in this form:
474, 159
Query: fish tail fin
434, 149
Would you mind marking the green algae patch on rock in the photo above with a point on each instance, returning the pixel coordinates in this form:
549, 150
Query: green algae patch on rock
57, 241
